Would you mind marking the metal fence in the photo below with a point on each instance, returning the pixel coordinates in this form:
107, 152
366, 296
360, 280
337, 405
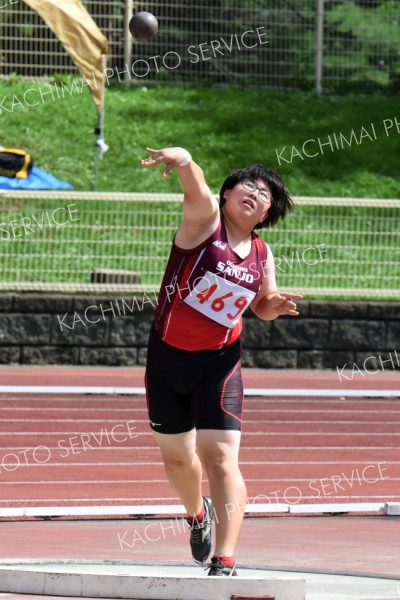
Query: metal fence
111, 242
327, 45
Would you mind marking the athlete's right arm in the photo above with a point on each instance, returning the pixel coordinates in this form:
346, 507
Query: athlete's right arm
200, 208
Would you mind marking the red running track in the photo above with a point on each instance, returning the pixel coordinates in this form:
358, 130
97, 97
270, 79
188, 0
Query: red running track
93, 449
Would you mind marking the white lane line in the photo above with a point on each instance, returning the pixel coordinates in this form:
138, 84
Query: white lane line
268, 449
164, 481
111, 390
25, 511
137, 500
246, 433
266, 400
70, 465
46, 410
305, 421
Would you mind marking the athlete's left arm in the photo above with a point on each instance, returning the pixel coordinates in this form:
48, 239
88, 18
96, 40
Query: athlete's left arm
269, 303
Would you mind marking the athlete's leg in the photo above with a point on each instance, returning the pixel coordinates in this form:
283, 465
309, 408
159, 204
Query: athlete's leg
219, 453
183, 467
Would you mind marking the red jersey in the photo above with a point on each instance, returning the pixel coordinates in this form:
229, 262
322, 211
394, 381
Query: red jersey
205, 291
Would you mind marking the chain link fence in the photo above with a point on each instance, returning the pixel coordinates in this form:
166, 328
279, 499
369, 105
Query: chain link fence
114, 242
323, 45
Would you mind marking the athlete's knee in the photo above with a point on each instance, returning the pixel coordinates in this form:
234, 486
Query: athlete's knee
178, 463
222, 466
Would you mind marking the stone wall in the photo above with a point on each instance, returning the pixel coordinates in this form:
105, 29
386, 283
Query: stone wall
85, 330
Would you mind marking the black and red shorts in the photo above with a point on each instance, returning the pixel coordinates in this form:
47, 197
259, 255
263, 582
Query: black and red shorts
202, 389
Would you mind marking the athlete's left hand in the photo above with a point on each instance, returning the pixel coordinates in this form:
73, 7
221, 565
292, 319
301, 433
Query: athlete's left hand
282, 303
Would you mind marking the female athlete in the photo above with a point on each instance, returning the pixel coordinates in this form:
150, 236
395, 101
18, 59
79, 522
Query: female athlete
218, 267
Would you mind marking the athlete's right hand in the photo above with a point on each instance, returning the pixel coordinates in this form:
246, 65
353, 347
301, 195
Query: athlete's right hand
172, 157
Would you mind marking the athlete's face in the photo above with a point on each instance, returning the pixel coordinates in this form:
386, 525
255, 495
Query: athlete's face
251, 199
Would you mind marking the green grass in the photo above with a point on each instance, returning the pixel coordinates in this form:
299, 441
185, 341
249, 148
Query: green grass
224, 129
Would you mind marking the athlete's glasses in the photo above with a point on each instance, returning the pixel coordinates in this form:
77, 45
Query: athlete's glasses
262, 193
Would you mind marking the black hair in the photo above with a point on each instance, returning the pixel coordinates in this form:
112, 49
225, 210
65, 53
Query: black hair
281, 201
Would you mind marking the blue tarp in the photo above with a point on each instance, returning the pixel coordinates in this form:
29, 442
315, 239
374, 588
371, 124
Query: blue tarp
37, 180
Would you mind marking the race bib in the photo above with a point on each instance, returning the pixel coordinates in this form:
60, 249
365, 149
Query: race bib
220, 300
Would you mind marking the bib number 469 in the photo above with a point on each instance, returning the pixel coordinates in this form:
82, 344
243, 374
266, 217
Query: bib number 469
218, 303
220, 300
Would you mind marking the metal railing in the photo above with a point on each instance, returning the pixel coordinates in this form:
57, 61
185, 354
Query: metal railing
119, 242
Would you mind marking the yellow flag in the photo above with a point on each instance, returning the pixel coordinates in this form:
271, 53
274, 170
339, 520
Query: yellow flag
80, 36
